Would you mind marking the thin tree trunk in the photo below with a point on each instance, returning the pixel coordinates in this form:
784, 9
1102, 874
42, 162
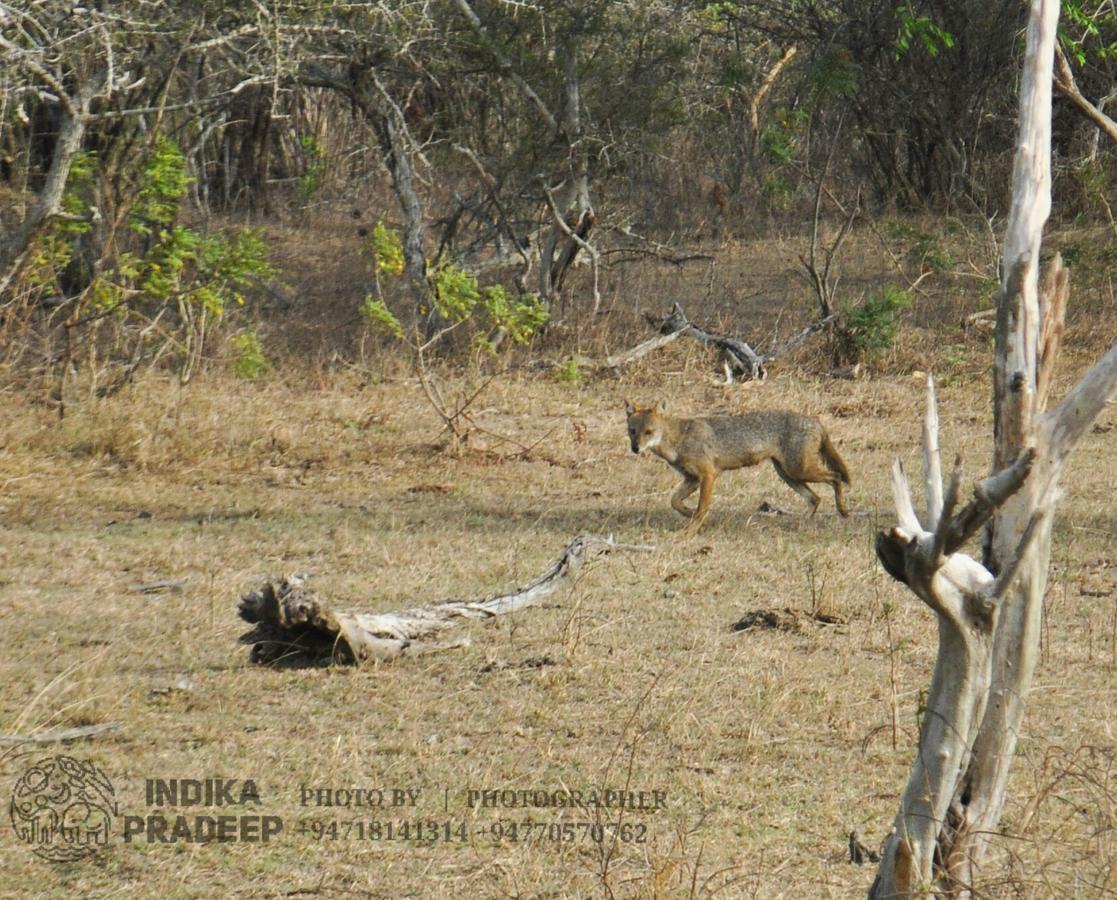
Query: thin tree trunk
49, 202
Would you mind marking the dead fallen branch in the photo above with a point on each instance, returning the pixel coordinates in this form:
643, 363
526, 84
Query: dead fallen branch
295, 627
737, 356
60, 735
796, 339
642, 349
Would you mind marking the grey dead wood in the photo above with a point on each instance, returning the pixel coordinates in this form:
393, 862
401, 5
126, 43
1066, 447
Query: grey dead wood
60, 735
158, 587
293, 626
989, 612
737, 358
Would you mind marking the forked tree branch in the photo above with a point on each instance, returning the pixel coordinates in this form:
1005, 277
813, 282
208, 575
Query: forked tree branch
1068, 87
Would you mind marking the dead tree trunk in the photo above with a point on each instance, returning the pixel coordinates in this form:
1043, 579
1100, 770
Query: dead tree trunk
989, 613
397, 146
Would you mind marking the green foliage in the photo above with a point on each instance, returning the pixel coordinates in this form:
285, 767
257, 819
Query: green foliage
520, 318
314, 170
780, 138
379, 317
912, 28
924, 248
251, 361
454, 294
387, 250
1094, 30
1089, 253
871, 325
931, 254
569, 372
952, 363
457, 296
833, 75
179, 263
53, 251
231, 260
76, 199
168, 262
163, 185
780, 189
454, 291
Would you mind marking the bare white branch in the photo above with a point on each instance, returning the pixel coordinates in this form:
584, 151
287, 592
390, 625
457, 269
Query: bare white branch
901, 495
1065, 424
932, 463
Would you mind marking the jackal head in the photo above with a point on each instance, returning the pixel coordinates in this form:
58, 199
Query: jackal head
645, 426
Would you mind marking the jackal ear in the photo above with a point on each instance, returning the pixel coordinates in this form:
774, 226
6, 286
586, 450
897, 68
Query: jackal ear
629, 409
661, 407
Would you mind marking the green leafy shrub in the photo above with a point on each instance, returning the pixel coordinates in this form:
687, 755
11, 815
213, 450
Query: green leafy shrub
159, 263
870, 326
314, 166
387, 250
251, 361
454, 294
569, 372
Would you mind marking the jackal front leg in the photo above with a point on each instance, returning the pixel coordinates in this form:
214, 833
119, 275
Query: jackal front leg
705, 497
688, 487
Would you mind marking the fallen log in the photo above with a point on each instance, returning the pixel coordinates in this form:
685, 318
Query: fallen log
617, 360
737, 356
294, 627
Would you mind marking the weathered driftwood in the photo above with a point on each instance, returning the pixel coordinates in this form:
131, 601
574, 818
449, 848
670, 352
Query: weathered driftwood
799, 337
295, 627
965, 597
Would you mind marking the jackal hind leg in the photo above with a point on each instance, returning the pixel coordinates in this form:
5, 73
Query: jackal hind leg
799, 487
688, 487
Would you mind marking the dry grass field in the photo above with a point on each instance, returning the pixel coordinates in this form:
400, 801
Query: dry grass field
768, 745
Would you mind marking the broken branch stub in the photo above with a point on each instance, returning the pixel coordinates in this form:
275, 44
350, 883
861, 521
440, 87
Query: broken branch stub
293, 626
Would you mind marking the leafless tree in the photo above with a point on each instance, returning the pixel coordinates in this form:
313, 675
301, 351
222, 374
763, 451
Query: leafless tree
989, 612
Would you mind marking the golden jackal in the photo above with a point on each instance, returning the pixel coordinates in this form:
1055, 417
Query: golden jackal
701, 449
